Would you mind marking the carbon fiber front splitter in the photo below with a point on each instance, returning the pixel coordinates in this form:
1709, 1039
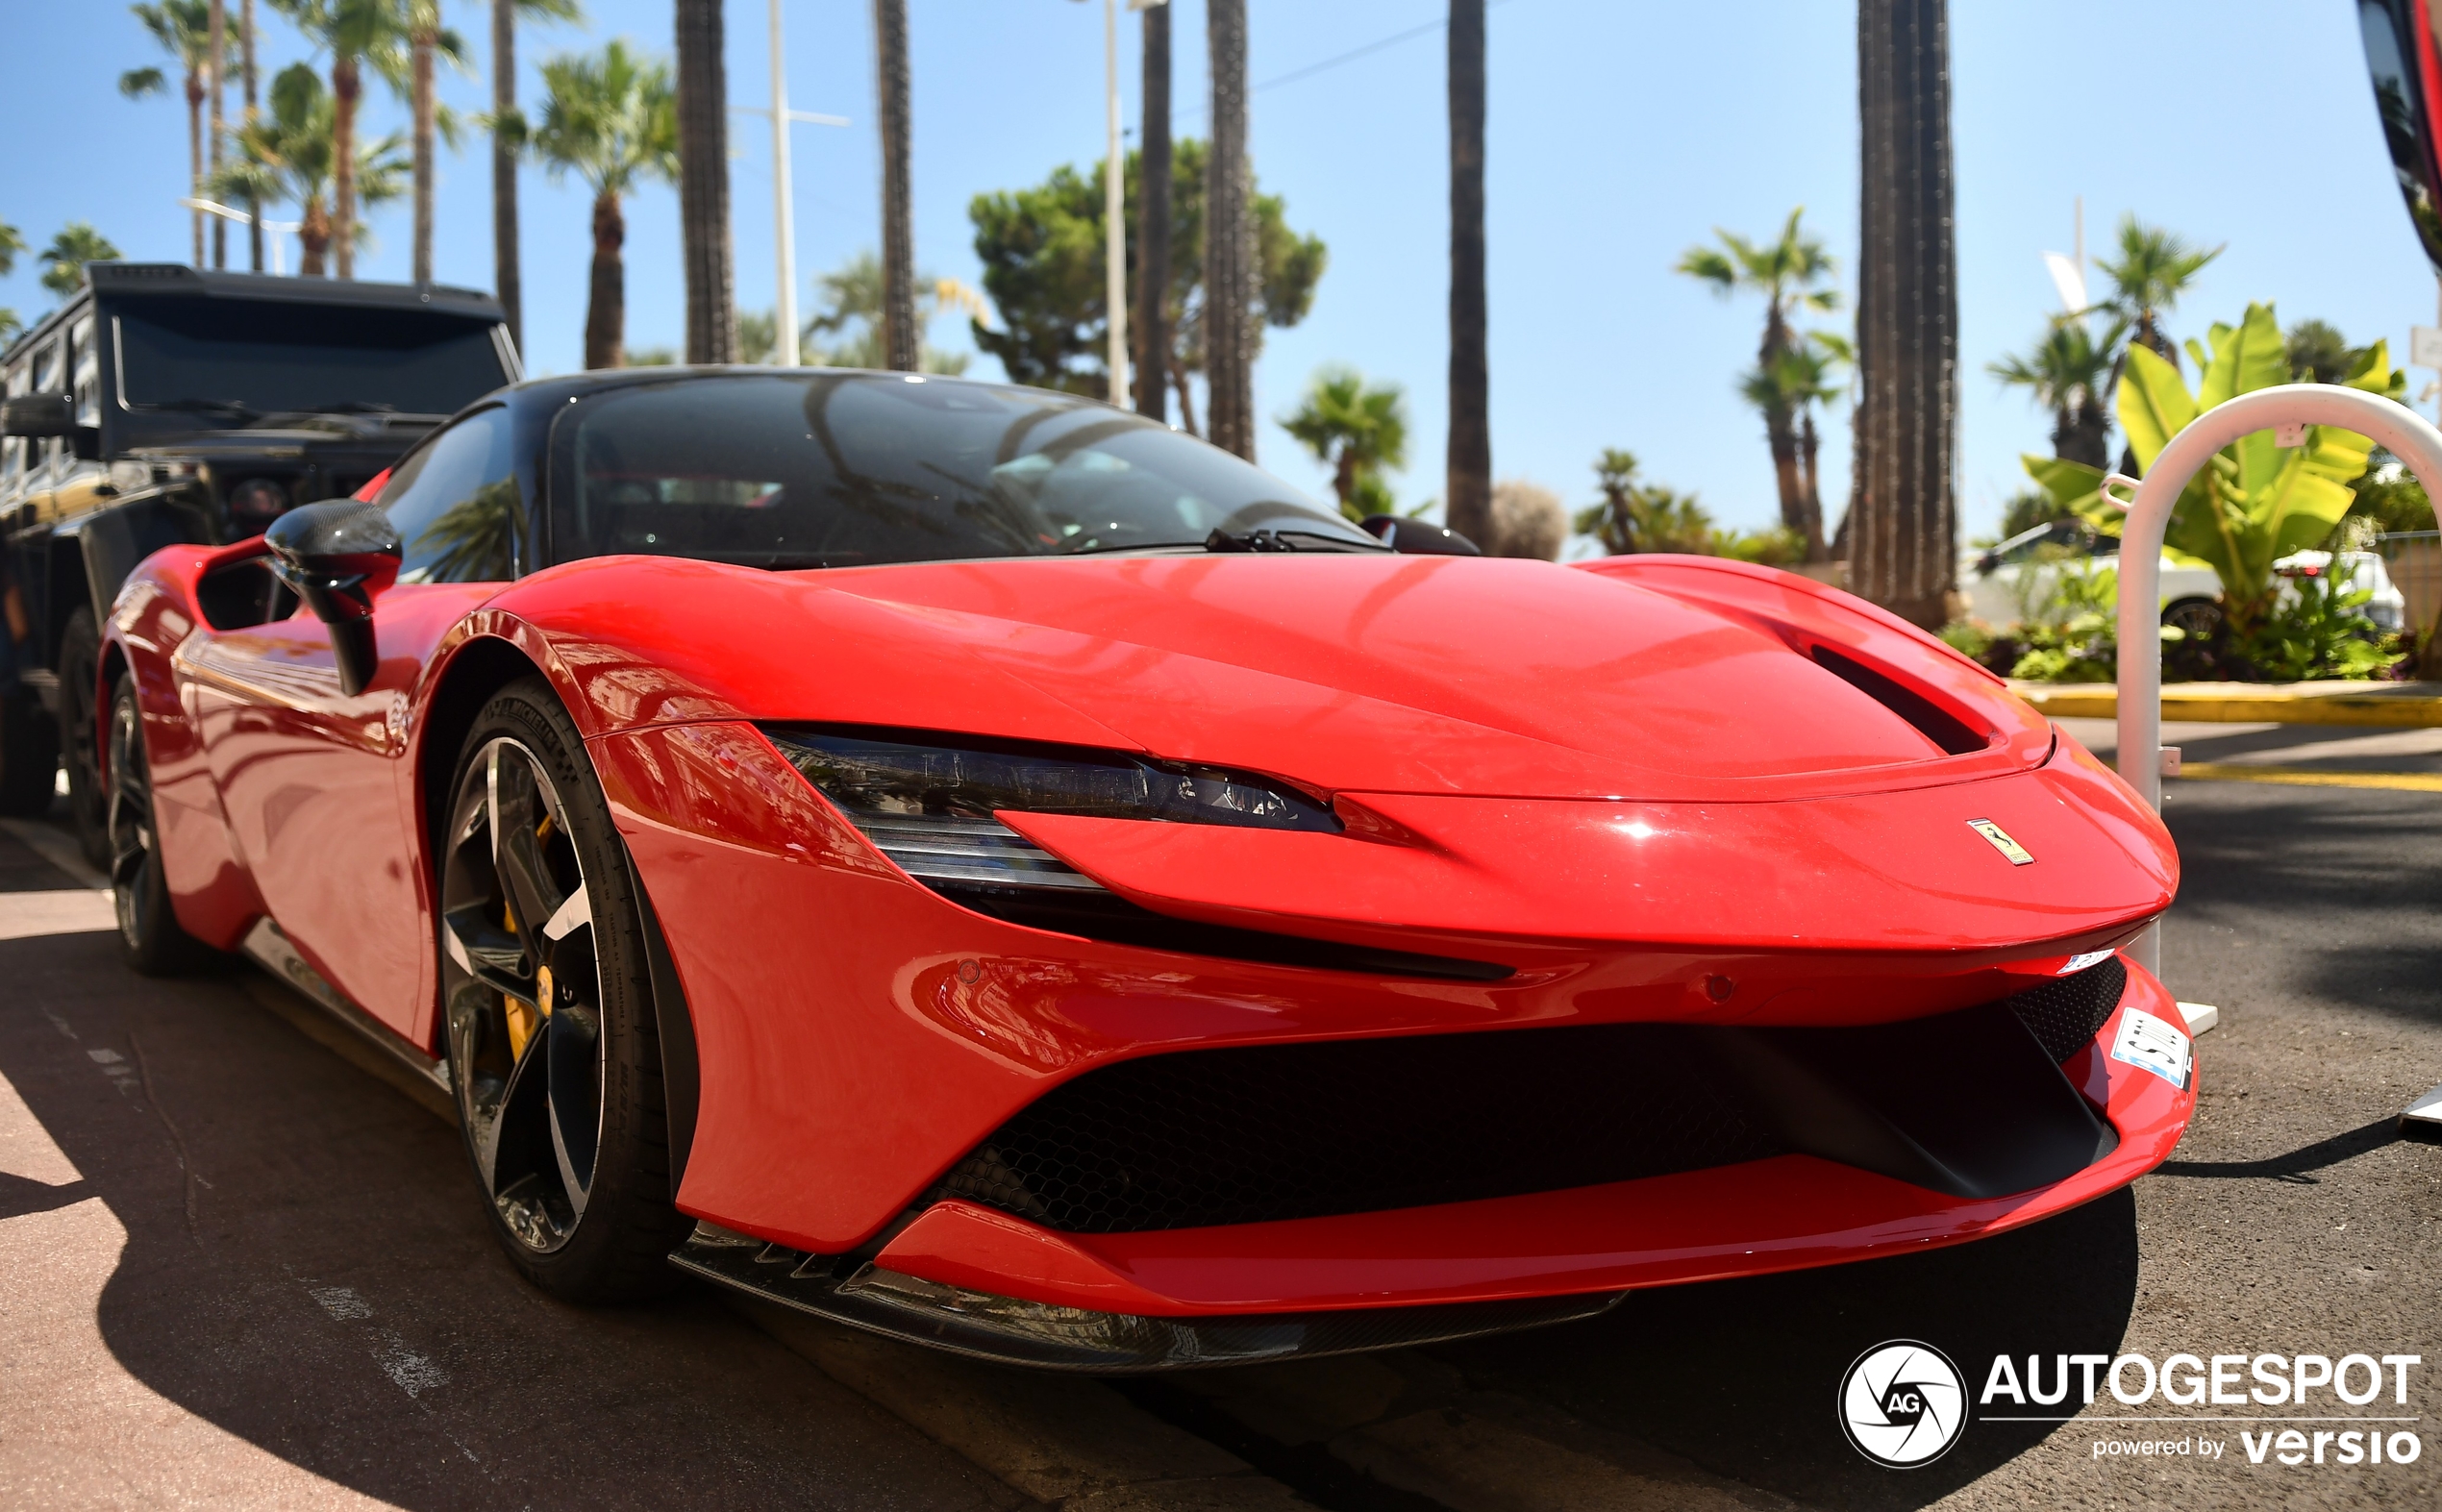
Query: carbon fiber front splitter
1017, 1332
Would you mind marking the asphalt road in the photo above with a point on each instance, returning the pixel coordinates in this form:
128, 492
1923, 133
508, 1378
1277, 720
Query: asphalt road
246, 1268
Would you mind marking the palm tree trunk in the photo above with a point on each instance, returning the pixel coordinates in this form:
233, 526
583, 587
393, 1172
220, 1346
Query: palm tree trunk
607, 307
901, 342
1153, 211
421, 109
196, 153
505, 280
217, 43
2079, 433
1902, 503
1228, 276
313, 239
254, 207
347, 84
1468, 506
1808, 444
1186, 396
1788, 478
704, 232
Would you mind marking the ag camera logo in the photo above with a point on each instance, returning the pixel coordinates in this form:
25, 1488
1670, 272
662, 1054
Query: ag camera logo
1902, 1403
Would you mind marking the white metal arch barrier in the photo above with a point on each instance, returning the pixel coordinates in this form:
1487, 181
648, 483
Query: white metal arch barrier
2286, 410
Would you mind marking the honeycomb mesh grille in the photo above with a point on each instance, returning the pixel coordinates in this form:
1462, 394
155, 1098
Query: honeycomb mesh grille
2067, 1012
1266, 1132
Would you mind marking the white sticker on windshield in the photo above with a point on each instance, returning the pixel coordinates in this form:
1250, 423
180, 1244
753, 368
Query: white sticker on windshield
2153, 1045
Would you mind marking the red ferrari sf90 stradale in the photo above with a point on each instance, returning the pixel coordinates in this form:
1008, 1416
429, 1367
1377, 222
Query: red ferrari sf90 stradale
985, 867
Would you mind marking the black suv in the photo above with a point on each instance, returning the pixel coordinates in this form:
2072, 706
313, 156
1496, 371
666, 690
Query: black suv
164, 404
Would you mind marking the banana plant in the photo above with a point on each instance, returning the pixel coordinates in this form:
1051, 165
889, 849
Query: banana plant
2255, 501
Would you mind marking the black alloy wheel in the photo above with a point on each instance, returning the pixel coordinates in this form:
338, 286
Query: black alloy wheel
548, 1007
88, 797
148, 929
2201, 620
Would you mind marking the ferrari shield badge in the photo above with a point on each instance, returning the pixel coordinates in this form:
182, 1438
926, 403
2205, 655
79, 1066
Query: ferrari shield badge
2019, 854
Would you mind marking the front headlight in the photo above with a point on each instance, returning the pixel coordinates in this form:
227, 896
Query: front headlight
929, 807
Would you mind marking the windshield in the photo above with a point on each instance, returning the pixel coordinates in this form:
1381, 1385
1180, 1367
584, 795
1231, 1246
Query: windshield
249, 358
829, 469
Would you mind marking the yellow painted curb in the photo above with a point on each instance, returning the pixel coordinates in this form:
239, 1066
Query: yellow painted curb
2272, 706
2308, 777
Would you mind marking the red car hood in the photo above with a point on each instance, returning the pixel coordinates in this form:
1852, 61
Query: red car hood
1385, 673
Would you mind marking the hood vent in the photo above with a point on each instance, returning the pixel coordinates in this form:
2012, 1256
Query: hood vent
1929, 719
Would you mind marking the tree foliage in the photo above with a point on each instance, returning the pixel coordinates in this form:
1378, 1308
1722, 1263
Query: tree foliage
1359, 429
2154, 267
1635, 517
284, 156
2068, 372
2255, 501
11, 243
64, 260
1791, 374
1042, 253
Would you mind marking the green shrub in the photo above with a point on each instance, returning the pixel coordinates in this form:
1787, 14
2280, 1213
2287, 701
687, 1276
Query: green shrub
2322, 632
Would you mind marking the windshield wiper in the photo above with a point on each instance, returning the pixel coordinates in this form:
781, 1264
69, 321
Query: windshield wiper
1269, 540
356, 407
232, 408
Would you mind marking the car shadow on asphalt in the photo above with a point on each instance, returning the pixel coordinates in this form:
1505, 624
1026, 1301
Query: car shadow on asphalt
305, 1266
1742, 1378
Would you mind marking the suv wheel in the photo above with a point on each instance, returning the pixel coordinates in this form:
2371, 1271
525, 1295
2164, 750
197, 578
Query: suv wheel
29, 756
79, 739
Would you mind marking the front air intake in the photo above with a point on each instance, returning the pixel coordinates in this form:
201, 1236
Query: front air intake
1970, 1102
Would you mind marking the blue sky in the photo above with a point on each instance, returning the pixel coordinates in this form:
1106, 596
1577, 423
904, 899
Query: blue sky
1619, 134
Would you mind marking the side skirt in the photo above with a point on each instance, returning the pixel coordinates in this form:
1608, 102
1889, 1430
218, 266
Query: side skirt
267, 945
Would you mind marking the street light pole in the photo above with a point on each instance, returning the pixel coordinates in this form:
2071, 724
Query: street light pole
784, 349
1115, 214
784, 216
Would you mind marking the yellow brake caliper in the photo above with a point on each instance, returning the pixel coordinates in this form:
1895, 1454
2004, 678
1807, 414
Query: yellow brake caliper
524, 1017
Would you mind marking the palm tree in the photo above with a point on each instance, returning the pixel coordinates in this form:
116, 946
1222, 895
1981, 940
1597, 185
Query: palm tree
508, 128
356, 33
1230, 268
613, 120
900, 338
1788, 272
217, 76
253, 211
2154, 269
64, 260
854, 300
2068, 373
1903, 519
1468, 483
1359, 429
1637, 517
1802, 380
1153, 222
704, 230
184, 29
285, 156
12, 242
426, 36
